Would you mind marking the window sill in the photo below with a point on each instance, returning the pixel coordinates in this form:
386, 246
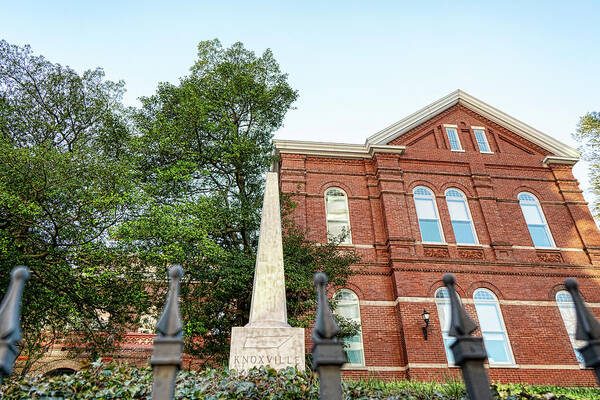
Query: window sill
354, 367
434, 243
514, 366
504, 366
465, 245
486, 152
457, 151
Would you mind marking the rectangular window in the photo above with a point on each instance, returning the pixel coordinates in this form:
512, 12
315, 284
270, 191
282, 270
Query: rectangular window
539, 236
536, 225
462, 225
496, 347
492, 329
567, 311
532, 214
453, 139
425, 209
430, 231
482, 143
444, 315
463, 232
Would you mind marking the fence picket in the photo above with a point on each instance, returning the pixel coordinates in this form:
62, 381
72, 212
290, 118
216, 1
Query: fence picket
168, 345
10, 320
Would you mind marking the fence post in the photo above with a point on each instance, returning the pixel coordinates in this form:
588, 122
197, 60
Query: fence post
469, 351
168, 345
328, 352
588, 329
10, 320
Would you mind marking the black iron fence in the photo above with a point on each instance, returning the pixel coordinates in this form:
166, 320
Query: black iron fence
328, 354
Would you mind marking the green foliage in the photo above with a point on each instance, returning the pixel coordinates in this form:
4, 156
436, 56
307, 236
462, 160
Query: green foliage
588, 135
203, 149
302, 260
121, 382
66, 179
99, 200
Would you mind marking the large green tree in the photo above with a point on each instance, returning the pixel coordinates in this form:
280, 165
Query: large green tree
66, 179
588, 134
204, 146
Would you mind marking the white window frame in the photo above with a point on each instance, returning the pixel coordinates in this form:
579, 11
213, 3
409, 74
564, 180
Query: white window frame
354, 302
455, 127
328, 219
471, 223
543, 217
503, 326
435, 208
482, 129
562, 308
441, 302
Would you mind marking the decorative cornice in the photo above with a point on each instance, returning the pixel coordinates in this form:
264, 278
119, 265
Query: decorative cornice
325, 149
543, 140
560, 160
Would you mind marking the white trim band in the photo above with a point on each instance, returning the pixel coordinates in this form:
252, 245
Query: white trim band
327, 149
535, 303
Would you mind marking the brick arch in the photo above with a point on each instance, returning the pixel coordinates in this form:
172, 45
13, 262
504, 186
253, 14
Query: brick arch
485, 285
56, 364
557, 288
429, 185
338, 184
462, 188
438, 284
524, 188
353, 287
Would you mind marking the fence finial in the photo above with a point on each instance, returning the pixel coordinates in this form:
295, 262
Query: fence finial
328, 353
325, 325
169, 323
460, 322
168, 345
10, 320
588, 329
469, 352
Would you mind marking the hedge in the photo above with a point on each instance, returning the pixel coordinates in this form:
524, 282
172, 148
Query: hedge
119, 381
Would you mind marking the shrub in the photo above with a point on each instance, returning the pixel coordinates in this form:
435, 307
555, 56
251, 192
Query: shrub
119, 381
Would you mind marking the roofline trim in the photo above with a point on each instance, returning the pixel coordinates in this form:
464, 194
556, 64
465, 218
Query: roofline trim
327, 149
460, 97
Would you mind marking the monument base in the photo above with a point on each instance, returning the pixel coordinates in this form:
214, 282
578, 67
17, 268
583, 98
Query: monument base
276, 347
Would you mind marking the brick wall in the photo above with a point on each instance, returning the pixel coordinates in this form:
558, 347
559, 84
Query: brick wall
400, 274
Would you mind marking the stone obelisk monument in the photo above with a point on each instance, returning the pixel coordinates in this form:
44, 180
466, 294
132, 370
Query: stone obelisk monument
268, 339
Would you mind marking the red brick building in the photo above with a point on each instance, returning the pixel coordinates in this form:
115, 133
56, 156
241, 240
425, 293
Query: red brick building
459, 187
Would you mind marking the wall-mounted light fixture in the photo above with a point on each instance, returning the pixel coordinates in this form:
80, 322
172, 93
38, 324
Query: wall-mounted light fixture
425, 317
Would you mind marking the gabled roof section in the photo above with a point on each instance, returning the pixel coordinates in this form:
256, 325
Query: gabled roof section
557, 148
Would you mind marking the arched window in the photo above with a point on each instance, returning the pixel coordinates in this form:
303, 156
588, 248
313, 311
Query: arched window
427, 214
567, 311
536, 222
336, 210
348, 307
492, 327
460, 216
442, 302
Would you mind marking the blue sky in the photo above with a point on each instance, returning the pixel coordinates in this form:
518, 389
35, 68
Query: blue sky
359, 66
